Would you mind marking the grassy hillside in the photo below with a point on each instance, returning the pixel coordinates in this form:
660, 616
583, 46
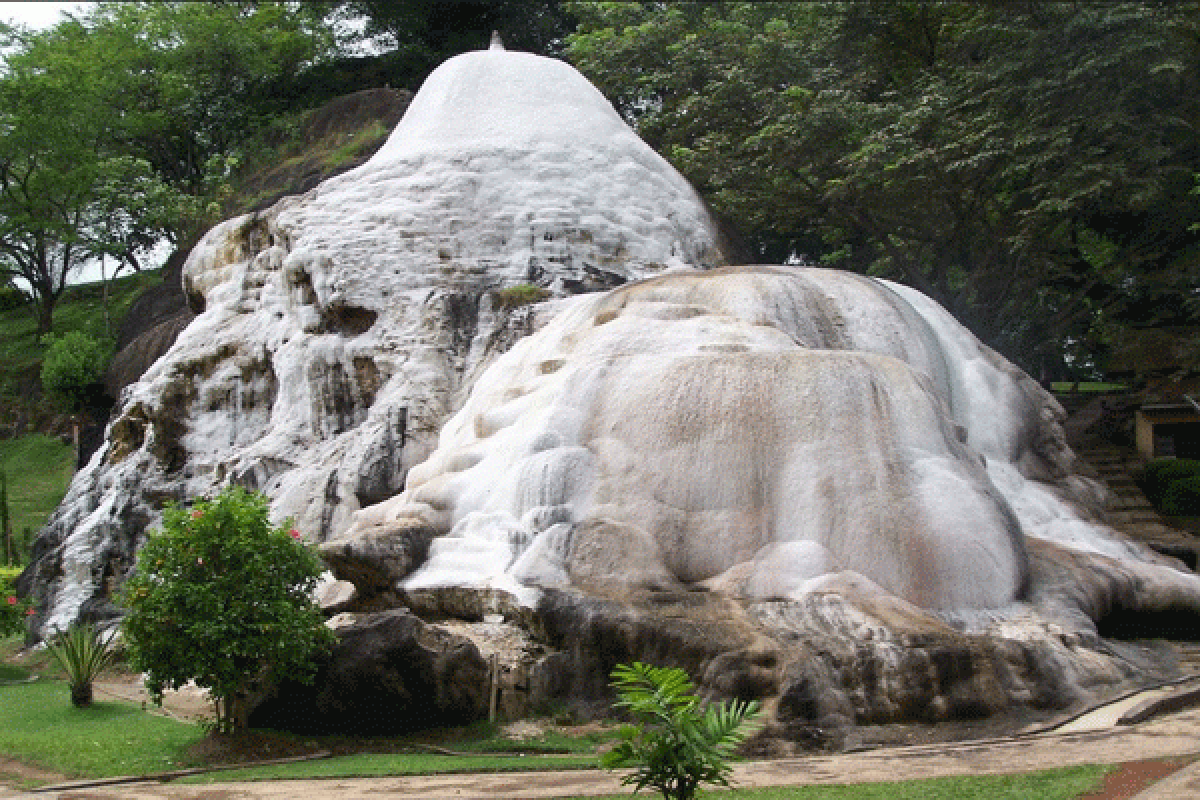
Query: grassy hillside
39, 464
80, 309
39, 470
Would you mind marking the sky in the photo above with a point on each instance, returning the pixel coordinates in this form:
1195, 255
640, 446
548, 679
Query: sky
36, 15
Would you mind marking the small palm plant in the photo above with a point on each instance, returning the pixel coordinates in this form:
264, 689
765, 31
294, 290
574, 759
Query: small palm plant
678, 743
83, 653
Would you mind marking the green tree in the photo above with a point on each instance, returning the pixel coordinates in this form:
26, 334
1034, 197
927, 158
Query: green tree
13, 610
1028, 165
194, 82
678, 743
72, 368
221, 597
430, 31
59, 169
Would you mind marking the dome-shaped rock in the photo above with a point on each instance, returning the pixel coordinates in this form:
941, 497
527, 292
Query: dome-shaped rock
338, 327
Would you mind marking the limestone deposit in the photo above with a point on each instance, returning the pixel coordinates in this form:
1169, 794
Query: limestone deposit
803, 484
337, 329
499, 372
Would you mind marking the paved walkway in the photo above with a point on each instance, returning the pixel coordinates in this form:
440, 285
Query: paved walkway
1173, 735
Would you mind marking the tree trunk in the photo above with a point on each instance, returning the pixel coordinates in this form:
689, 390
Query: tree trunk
45, 311
81, 695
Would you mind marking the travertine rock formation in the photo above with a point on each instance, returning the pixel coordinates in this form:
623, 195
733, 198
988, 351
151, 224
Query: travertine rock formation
389, 671
801, 485
339, 327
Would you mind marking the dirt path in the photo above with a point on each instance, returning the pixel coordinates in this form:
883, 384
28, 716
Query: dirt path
1175, 736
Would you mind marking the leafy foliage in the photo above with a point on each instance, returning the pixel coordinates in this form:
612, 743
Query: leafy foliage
1182, 497
11, 297
74, 363
678, 744
516, 296
1028, 165
221, 597
1173, 485
83, 653
431, 31
1158, 475
62, 166
13, 610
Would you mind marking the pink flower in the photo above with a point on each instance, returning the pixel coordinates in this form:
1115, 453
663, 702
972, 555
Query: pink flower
12, 601
29, 612
295, 534
197, 514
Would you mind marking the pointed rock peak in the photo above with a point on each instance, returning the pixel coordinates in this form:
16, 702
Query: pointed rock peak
497, 43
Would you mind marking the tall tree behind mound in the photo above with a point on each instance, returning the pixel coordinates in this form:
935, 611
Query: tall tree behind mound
1029, 166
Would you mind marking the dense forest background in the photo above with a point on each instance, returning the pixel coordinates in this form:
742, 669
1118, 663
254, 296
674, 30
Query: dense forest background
1030, 164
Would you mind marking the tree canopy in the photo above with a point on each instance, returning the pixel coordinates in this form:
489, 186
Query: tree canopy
117, 127
1029, 165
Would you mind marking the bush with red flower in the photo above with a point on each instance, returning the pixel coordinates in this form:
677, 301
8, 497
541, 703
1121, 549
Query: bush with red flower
13, 610
222, 597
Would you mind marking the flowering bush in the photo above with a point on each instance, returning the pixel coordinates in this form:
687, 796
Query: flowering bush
13, 610
221, 597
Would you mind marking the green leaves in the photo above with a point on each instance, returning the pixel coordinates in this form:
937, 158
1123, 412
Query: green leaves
1027, 166
74, 363
678, 743
83, 653
221, 597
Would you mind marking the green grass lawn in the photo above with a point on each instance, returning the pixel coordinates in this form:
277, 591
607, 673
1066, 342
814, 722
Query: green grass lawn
365, 765
40, 727
39, 470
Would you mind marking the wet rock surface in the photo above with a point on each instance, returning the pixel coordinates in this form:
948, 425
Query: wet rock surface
389, 672
800, 485
336, 330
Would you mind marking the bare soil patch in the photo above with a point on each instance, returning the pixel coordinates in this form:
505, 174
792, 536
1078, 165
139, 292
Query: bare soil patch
1133, 776
14, 773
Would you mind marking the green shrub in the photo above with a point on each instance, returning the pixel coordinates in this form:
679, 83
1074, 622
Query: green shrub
83, 653
13, 610
11, 297
1182, 497
677, 743
516, 296
1158, 476
72, 368
221, 597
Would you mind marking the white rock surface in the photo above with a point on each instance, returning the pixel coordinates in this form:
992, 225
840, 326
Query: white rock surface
759, 430
339, 327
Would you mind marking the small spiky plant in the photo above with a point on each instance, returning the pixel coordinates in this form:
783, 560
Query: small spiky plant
83, 653
678, 742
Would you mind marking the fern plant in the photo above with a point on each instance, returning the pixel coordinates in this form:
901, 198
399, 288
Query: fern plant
83, 653
678, 743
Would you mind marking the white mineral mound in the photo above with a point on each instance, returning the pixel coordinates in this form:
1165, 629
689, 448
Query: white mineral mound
340, 327
761, 431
